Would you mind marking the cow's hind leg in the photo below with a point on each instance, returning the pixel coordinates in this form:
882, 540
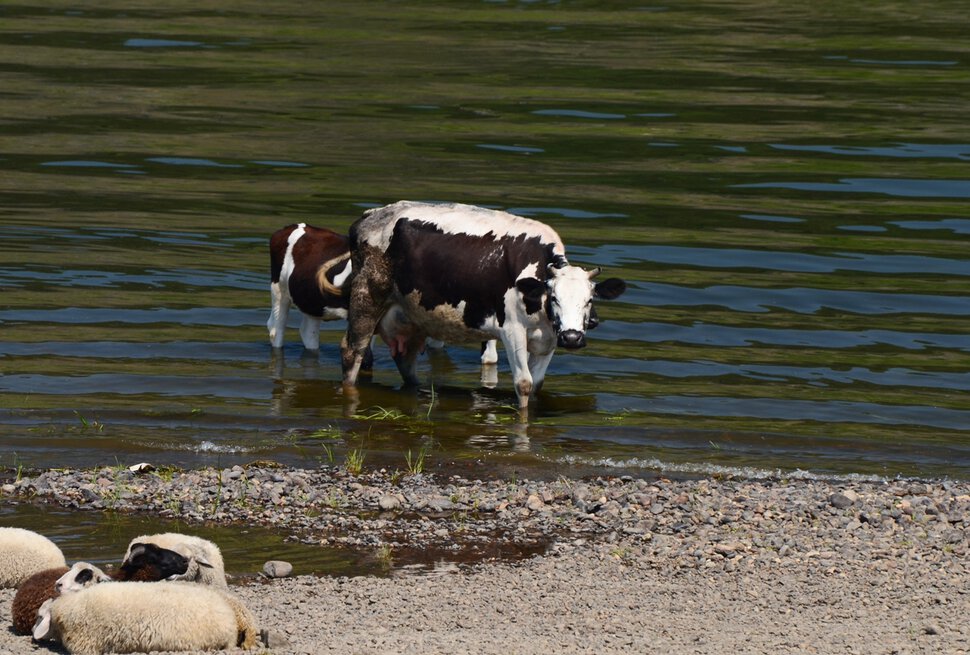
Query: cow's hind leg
355, 344
490, 352
406, 357
310, 332
538, 365
369, 291
278, 312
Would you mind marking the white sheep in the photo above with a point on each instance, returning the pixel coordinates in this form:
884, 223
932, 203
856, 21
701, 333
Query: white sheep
24, 553
80, 576
136, 617
205, 564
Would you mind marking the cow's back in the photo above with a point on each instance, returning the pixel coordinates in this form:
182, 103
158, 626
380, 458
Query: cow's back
451, 266
376, 226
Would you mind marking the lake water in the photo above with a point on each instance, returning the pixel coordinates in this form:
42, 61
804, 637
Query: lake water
783, 187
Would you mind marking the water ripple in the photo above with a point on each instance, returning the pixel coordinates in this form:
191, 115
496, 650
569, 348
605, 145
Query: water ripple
906, 150
903, 187
802, 300
772, 260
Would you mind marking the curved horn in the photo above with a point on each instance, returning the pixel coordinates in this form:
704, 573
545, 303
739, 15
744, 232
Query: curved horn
325, 285
593, 272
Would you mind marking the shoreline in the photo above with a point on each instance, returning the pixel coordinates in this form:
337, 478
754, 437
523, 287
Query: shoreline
622, 565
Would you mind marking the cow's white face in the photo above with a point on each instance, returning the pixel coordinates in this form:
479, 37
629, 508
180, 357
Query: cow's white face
570, 303
571, 292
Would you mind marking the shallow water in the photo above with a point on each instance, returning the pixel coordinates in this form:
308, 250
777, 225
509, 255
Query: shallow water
783, 188
103, 539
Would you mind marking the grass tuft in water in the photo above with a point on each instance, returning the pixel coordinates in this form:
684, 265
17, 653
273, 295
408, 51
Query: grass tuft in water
416, 463
354, 461
379, 413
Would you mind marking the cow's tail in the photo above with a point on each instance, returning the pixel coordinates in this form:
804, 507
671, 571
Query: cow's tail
326, 286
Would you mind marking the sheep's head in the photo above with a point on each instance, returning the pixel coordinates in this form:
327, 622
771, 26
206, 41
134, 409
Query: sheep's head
149, 562
78, 577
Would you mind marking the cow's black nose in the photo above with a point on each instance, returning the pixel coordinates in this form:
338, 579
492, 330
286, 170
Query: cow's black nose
572, 339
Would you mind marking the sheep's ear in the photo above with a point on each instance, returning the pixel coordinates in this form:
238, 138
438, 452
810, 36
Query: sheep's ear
42, 626
136, 550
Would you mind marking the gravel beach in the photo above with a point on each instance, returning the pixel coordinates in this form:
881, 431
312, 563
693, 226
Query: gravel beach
624, 565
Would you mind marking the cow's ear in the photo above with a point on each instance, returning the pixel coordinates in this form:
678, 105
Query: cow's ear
531, 289
610, 289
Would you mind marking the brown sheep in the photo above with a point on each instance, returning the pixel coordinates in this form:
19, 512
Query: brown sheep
30, 595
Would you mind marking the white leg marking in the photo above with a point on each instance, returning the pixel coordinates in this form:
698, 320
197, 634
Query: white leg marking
538, 364
490, 354
277, 316
310, 332
515, 342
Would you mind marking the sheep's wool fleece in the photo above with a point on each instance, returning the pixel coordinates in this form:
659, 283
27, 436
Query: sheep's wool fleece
139, 617
31, 594
24, 553
191, 547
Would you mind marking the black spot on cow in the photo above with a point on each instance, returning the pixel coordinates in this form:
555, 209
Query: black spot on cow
447, 269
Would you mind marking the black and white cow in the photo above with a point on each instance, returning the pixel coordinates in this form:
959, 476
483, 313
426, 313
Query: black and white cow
462, 273
308, 267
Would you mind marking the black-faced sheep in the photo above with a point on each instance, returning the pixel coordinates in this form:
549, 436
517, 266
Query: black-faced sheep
205, 564
24, 553
148, 562
130, 617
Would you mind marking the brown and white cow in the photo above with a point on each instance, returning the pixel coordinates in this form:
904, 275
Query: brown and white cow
462, 273
308, 266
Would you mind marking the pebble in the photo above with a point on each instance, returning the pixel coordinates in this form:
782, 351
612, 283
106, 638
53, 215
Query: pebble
687, 523
277, 569
844, 499
535, 503
389, 503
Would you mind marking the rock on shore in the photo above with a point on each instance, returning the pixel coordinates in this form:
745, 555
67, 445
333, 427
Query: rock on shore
629, 565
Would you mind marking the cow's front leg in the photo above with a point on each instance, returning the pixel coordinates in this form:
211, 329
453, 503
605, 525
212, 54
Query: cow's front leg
279, 310
516, 346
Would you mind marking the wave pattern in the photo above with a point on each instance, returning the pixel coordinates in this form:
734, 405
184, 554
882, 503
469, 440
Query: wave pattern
791, 220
